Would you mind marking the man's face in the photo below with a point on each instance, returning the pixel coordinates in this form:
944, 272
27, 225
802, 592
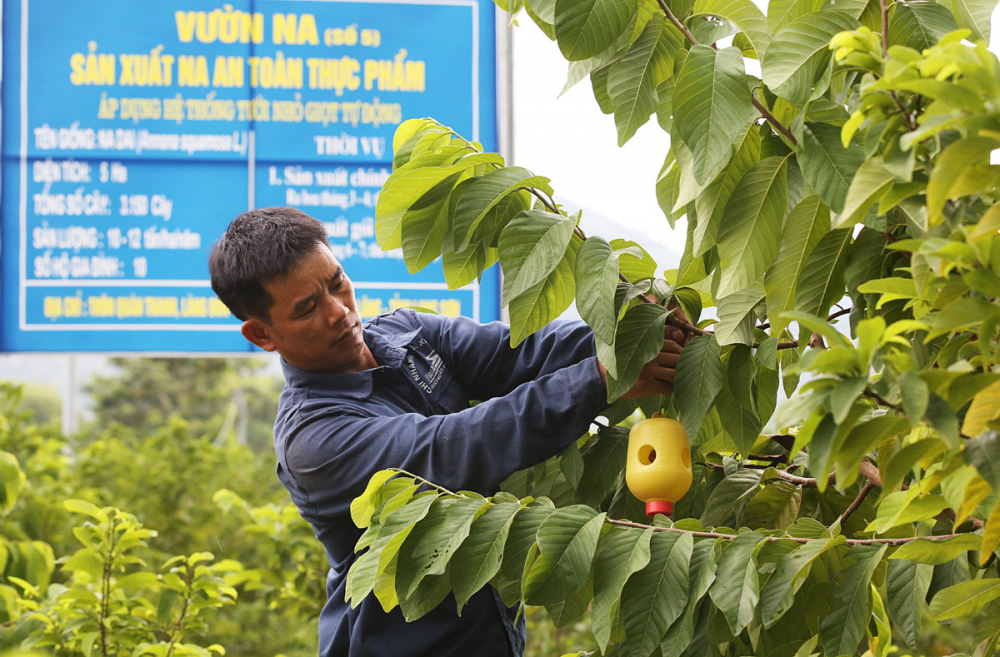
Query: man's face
314, 321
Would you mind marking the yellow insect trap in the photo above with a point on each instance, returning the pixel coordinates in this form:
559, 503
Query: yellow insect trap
658, 470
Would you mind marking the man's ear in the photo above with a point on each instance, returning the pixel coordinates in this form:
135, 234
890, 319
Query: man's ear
259, 333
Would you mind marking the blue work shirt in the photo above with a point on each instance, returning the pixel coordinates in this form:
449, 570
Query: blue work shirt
334, 431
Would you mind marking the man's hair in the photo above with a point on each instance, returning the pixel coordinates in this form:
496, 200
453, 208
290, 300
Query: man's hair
258, 247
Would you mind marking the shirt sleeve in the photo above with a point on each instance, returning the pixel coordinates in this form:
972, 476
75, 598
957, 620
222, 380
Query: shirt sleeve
481, 359
331, 456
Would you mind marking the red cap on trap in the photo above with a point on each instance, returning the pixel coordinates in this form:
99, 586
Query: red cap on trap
659, 506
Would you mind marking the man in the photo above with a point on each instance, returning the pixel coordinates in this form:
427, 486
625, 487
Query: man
395, 393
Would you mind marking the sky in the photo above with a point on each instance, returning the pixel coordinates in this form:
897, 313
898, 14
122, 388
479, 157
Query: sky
569, 140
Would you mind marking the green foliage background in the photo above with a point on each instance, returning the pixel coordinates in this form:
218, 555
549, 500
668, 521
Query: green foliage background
223, 503
166, 479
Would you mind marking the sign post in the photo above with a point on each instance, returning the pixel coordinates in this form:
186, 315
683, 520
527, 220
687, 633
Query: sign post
132, 134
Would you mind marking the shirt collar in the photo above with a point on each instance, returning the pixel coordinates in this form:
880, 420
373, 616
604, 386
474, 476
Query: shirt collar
389, 349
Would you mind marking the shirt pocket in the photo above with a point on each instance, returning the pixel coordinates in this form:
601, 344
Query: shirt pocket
426, 369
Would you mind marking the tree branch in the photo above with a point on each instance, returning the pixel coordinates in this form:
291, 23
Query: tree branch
867, 488
884, 6
729, 537
874, 395
871, 394
805, 482
833, 316
872, 480
949, 514
679, 25
773, 121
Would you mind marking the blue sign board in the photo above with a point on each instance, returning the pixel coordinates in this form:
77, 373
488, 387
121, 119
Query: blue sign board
133, 133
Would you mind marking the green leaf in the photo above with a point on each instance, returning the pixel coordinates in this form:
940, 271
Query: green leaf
936, 552
700, 578
901, 508
789, 575
140, 580
753, 217
984, 409
950, 165
763, 395
364, 505
800, 53
596, 284
864, 438
962, 314
806, 224
844, 627
425, 144
407, 130
737, 317
632, 79
567, 540
391, 534
530, 249
711, 107
697, 382
478, 559
711, 204
774, 507
914, 392
571, 464
828, 167
424, 226
581, 69
728, 495
462, 267
741, 422
870, 182
687, 189
521, 537
433, 541
782, 12
904, 460
566, 611
542, 12
406, 185
656, 596
742, 13
983, 452
973, 15
919, 24
822, 281
430, 593
965, 599
634, 261
602, 466
544, 301
621, 553
907, 584
586, 28
988, 225
638, 339
736, 586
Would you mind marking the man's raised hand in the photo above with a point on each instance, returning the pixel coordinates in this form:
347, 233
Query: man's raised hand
657, 376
